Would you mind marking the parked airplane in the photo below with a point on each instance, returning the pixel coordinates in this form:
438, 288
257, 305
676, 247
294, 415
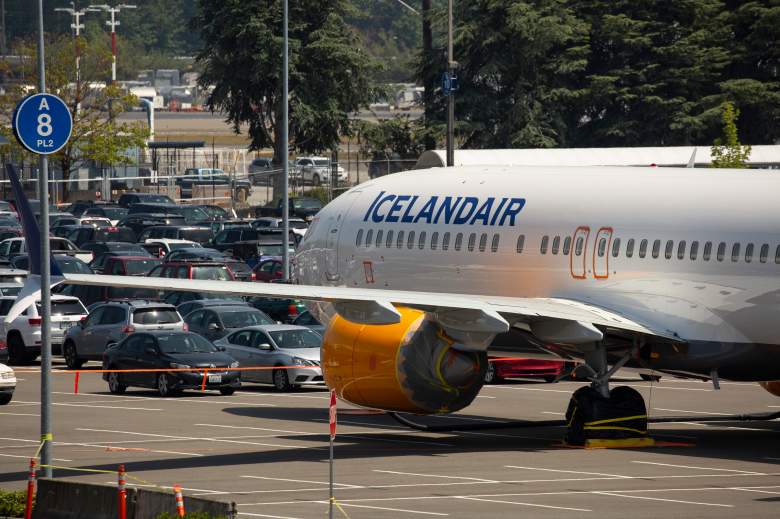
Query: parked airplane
677, 270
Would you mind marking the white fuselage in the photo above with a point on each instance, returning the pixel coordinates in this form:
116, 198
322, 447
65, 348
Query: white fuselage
586, 217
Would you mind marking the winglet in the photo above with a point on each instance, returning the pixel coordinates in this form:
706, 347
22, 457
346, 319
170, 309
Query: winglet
692, 160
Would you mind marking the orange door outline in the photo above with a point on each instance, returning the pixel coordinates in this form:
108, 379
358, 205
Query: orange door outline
582, 232
603, 261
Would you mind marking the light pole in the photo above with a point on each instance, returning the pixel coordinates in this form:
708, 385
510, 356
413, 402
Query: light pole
285, 145
450, 98
113, 22
77, 26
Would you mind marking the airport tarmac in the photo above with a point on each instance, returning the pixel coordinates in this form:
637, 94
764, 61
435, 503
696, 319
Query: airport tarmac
268, 452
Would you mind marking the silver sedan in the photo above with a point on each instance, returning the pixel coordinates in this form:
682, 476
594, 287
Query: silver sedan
276, 345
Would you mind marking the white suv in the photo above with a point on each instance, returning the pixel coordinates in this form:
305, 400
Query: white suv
23, 334
316, 170
7, 384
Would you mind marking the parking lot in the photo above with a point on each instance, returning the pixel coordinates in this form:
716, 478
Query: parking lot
268, 452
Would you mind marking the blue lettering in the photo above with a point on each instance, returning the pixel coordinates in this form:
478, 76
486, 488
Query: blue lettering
484, 212
427, 211
498, 211
448, 208
514, 207
391, 216
407, 218
371, 207
471, 202
376, 216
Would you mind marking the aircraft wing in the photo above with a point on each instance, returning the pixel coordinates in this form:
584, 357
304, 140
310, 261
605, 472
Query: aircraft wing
552, 319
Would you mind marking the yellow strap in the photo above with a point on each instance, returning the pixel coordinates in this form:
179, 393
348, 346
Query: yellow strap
142, 481
621, 419
613, 428
47, 437
333, 500
79, 470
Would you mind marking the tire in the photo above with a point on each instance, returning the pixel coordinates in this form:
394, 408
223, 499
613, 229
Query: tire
227, 391
623, 415
115, 385
550, 379
164, 388
72, 359
490, 375
281, 380
17, 351
6, 398
650, 378
315, 180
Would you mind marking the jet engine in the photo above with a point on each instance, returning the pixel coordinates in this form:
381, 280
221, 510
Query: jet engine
411, 366
773, 386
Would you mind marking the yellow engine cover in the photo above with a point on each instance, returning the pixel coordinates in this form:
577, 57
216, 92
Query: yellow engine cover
409, 367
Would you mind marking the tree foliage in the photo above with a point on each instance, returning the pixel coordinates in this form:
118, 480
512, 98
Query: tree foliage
727, 151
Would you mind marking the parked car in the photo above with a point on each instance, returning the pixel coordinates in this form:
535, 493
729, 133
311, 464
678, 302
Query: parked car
215, 271
176, 297
96, 248
95, 221
53, 217
282, 310
318, 170
277, 222
548, 370
129, 265
185, 308
23, 334
111, 322
90, 294
173, 350
302, 207
268, 270
87, 233
193, 215
176, 232
227, 239
221, 225
7, 384
114, 213
162, 247
67, 264
240, 270
208, 177
308, 320
129, 199
215, 211
260, 171
140, 221
16, 246
217, 321
277, 345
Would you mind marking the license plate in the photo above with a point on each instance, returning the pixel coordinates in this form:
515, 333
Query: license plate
215, 379
64, 325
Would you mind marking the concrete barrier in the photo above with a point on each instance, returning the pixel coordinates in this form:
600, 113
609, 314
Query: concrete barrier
59, 499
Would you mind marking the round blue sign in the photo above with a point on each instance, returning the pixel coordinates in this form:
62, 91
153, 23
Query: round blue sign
42, 123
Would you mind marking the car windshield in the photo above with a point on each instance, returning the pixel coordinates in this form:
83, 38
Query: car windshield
244, 318
218, 273
175, 246
215, 211
288, 339
321, 162
274, 249
10, 291
155, 316
73, 266
114, 213
297, 225
156, 199
6, 305
141, 266
96, 222
184, 343
307, 203
59, 307
193, 213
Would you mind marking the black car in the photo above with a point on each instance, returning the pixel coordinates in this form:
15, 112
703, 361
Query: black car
140, 221
82, 234
67, 264
216, 211
128, 248
190, 306
171, 350
217, 321
192, 214
128, 199
227, 239
78, 207
112, 212
283, 310
176, 232
177, 298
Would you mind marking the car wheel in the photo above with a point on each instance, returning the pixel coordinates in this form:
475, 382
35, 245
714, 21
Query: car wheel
315, 180
550, 379
490, 375
281, 380
72, 359
5, 398
115, 385
164, 387
227, 391
650, 378
17, 351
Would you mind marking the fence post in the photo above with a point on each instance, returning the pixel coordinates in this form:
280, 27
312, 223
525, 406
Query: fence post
30, 490
179, 500
122, 504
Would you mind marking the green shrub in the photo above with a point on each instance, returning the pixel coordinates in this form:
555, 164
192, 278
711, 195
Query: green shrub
12, 504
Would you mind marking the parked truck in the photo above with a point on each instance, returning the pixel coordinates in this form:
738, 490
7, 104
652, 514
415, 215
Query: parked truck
302, 207
241, 188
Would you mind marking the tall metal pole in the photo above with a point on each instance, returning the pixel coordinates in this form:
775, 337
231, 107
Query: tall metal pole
284, 147
113, 23
43, 191
450, 97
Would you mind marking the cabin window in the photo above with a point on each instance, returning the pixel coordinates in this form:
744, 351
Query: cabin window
389, 240
445, 241
543, 247
494, 244
656, 248
472, 241
748, 253
410, 240
616, 247
434, 240
483, 242
556, 245
369, 237
721, 251
458, 240
694, 250
668, 249
643, 248
359, 238
399, 242
681, 250
735, 252
707, 251
566, 246
421, 241
520, 243
602, 248
764, 253
578, 246
630, 248
379, 234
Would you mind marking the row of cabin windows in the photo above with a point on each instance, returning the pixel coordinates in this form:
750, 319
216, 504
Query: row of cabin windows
411, 239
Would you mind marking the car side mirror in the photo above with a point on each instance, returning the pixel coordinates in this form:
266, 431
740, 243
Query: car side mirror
214, 327
221, 348
264, 346
151, 351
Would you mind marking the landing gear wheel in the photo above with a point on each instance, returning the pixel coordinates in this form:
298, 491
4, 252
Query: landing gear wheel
590, 416
650, 378
72, 359
227, 391
281, 380
164, 387
115, 386
490, 375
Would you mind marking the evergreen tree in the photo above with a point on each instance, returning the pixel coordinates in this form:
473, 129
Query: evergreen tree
727, 151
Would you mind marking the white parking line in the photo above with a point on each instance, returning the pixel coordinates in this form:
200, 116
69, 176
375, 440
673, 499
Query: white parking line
99, 446
387, 440
389, 509
568, 471
21, 414
28, 457
700, 468
301, 481
89, 404
618, 494
524, 504
434, 476
755, 490
268, 516
691, 412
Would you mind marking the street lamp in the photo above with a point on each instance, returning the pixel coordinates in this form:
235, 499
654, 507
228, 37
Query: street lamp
77, 26
113, 22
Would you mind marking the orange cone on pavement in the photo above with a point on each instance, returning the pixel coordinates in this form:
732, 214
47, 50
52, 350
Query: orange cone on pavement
179, 500
30, 490
122, 504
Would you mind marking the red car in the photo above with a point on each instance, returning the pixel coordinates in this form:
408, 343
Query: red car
503, 368
213, 271
268, 270
130, 265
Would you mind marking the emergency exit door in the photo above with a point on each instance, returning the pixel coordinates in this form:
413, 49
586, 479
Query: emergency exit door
601, 246
579, 251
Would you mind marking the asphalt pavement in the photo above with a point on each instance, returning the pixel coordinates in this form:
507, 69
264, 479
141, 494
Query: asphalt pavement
268, 452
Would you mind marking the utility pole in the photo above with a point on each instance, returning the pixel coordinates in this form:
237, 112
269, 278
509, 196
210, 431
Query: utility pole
429, 84
77, 26
285, 147
113, 22
450, 97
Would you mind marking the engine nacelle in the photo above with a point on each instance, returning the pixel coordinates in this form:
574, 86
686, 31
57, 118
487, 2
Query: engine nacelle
773, 386
409, 367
